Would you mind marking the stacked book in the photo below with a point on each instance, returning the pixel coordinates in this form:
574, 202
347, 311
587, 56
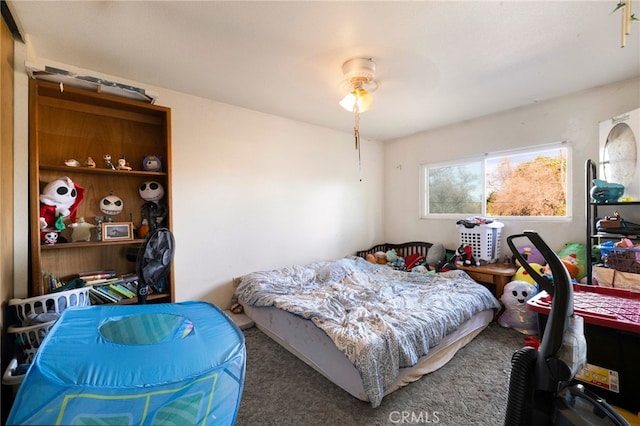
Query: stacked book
108, 287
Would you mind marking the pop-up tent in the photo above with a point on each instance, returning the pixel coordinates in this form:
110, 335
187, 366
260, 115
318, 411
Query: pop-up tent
169, 364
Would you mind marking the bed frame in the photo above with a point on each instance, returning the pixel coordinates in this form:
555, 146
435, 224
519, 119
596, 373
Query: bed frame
403, 250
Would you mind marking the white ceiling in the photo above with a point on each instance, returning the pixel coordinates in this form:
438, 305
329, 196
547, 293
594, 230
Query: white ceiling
438, 62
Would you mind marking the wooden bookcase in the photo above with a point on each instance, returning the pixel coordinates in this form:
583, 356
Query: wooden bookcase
73, 123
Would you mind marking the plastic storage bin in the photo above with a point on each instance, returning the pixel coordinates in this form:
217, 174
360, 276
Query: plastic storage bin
612, 330
484, 240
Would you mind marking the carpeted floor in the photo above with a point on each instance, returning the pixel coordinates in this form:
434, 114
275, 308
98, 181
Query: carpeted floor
471, 389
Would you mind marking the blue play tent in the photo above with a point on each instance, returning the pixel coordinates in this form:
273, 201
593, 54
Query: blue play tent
164, 364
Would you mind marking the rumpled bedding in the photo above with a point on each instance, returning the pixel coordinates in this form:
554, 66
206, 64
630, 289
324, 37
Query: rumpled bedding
380, 318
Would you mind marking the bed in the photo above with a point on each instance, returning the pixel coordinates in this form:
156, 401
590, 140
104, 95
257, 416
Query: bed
368, 328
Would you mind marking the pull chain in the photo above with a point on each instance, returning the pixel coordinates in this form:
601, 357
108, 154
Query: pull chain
356, 134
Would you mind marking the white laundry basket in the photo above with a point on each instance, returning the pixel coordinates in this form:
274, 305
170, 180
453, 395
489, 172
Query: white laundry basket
29, 334
484, 240
50, 303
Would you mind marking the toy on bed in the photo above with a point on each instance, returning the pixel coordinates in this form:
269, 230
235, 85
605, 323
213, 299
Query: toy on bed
412, 256
60, 198
516, 314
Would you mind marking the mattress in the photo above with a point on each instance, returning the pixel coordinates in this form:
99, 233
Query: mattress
312, 345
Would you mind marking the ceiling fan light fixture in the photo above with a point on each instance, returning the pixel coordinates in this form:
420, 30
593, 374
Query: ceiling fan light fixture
359, 96
359, 81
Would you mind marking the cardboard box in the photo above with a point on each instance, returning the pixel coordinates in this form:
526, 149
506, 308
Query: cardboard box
607, 277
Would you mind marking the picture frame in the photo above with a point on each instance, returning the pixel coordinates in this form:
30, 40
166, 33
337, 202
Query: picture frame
117, 231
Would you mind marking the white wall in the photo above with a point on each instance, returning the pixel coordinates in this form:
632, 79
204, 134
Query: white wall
573, 118
253, 191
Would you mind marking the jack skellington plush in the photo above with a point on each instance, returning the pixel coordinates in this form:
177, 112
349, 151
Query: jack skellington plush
153, 210
111, 205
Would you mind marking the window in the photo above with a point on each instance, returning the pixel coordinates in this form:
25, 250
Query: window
520, 183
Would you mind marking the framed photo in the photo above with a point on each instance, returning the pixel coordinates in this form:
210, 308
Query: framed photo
112, 231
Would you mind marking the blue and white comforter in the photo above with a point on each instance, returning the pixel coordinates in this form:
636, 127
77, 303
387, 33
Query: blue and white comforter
382, 319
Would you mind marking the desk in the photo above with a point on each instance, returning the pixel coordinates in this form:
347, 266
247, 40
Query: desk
498, 274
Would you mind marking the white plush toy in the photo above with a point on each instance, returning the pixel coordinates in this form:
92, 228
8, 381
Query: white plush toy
516, 314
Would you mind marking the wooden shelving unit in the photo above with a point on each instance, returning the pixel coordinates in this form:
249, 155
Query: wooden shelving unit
72, 123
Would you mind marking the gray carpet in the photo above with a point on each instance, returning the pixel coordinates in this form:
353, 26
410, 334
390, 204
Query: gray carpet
471, 389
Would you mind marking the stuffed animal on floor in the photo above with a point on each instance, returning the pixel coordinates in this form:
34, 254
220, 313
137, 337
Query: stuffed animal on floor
516, 314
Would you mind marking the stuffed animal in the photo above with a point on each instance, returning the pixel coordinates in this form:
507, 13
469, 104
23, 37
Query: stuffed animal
531, 254
516, 314
576, 253
523, 275
153, 209
465, 255
570, 265
59, 199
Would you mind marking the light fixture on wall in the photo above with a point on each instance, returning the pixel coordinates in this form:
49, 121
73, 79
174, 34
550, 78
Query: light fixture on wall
624, 6
359, 81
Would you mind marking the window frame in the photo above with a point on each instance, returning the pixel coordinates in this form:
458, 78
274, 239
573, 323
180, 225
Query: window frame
424, 184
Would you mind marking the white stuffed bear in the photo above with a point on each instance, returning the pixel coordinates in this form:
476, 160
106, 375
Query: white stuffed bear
516, 314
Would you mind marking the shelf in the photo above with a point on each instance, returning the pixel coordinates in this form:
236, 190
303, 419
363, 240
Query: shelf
616, 203
100, 171
78, 124
613, 235
90, 244
151, 298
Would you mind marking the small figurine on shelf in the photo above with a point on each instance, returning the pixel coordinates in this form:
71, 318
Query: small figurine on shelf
90, 163
81, 230
153, 211
59, 199
122, 164
98, 221
152, 163
144, 229
72, 162
111, 205
107, 162
49, 236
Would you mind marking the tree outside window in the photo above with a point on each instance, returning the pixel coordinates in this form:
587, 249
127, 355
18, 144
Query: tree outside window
524, 183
